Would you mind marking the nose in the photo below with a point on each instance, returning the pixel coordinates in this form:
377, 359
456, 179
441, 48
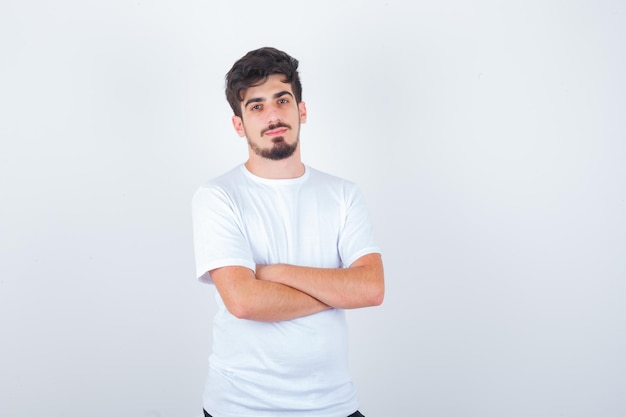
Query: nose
272, 115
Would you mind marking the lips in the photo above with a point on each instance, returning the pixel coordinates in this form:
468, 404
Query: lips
276, 132
275, 129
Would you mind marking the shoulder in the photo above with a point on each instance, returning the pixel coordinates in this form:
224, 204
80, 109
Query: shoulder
338, 187
220, 187
226, 180
329, 179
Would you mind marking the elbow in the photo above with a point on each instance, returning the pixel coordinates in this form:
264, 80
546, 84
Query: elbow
376, 279
372, 297
239, 310
377, 294
238, 313
377, 297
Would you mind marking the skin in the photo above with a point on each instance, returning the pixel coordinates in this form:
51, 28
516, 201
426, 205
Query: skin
271, 121
264, 106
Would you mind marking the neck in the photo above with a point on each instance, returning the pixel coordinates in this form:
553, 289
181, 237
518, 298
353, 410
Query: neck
291, 167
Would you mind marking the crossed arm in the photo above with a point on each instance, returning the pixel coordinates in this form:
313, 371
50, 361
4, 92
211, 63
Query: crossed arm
283, 292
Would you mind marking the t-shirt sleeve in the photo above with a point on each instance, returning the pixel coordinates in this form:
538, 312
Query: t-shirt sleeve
357, 235
219, 238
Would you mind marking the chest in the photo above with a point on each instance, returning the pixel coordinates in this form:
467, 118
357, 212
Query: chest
296, 225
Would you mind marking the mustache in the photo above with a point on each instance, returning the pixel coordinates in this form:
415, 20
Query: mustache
275, 126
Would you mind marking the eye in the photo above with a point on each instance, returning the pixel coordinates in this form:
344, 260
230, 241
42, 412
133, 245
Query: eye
283, 101
256, 107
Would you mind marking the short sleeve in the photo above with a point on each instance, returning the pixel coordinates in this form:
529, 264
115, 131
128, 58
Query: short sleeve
357, 235
219, 239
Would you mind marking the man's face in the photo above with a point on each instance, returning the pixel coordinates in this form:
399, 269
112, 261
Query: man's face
271, 119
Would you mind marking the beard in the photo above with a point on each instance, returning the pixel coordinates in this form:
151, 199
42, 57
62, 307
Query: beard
279, 150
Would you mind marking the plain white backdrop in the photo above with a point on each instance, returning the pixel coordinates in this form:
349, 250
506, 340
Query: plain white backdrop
490, 141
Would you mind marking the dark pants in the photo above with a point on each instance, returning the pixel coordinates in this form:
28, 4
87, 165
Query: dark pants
355, 414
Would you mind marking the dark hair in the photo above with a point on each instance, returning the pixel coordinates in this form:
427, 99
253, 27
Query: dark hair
253, 69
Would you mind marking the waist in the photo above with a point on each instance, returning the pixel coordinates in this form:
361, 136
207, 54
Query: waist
316, 343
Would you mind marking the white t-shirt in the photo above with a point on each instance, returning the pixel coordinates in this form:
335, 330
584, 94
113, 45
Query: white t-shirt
292, 368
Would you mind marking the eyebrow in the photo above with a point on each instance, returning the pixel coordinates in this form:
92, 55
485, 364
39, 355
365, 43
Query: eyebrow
260, 100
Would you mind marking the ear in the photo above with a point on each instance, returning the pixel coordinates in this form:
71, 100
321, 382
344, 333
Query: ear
302, 110
238, 125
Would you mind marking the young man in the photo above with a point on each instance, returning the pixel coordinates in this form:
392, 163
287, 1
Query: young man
288, 249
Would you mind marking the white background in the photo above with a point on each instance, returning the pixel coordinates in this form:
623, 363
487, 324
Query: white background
488, 137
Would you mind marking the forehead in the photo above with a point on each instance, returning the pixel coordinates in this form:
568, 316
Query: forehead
268, 88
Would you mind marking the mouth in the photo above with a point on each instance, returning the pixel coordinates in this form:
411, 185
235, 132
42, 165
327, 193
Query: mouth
276, 132
277, 129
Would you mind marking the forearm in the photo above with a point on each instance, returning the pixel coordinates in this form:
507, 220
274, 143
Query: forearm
249, 298
360, 285
270, 301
